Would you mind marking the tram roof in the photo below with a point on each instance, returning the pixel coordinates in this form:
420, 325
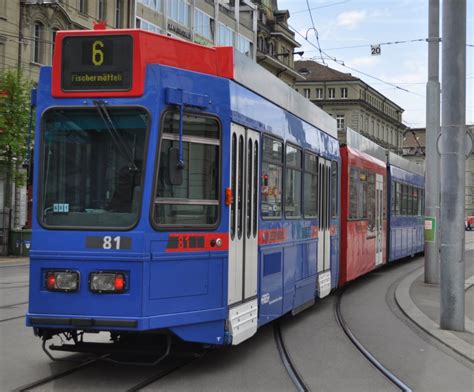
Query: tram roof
405, 164
152, 48
359, 142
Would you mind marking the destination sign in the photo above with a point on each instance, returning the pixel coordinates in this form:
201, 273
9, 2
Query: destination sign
97, 63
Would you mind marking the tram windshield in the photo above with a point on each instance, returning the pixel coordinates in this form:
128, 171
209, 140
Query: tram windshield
92, 166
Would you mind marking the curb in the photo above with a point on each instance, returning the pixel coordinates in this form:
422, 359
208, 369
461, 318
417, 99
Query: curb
409, 308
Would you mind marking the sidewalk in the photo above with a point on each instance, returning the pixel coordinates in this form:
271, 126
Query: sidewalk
421, 303
6, 260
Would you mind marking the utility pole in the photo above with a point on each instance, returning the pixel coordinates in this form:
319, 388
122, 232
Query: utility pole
453, 150
432, 188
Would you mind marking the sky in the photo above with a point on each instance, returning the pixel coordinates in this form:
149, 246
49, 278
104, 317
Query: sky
348, 28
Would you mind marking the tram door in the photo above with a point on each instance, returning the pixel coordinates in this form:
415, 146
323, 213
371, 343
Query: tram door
243, 224
324, 243
378, 218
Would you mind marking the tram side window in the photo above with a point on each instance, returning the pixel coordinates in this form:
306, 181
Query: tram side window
272, 176
310, 196
404, 199
371, 201
409, 200
334, 179
354, 175
422, 202
398, 198
293, 182
188, 196
358, 194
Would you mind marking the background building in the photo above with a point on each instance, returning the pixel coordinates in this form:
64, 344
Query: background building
276, 42
414, 149
353, 103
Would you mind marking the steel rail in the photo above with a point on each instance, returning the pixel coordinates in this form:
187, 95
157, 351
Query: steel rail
56, 376
13, 305
12, 318
342, 323
286, 360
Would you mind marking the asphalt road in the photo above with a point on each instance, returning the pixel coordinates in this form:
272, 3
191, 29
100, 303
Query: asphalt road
323, 355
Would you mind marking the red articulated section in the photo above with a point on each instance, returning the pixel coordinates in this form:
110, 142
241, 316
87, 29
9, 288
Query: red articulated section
149, 48
358, 244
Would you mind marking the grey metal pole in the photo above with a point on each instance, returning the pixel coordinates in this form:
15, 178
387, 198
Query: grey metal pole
432, 157
453, 138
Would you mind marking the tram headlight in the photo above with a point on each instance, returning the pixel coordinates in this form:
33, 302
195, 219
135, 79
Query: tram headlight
67, 281
107, 282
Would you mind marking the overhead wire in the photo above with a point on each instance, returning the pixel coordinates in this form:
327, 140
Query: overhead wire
316, 33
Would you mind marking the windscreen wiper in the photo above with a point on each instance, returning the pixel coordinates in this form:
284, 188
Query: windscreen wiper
116, 138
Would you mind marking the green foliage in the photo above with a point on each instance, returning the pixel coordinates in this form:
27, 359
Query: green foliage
15, 92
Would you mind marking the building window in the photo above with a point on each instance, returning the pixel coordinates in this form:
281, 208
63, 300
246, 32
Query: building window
340, 121
2, 55
226, 36
179, 11
343, 92
53, 40
307, 93
83, 6
145, 25
271, 49
118, 13
244, 46
203, 24
319, 93
101, 10
153, 4
332, 93
38, 44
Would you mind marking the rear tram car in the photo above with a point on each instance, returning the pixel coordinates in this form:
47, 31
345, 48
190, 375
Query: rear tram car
177, 188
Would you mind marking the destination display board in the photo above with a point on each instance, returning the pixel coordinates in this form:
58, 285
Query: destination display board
97, 63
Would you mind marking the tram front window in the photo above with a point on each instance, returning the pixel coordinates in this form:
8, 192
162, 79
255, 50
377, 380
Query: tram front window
92, 167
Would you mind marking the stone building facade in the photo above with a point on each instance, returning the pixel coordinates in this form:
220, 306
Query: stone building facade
276, 43
414, 150
353, 103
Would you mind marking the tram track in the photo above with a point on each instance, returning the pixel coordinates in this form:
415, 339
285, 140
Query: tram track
164, 368
56, 376
290, 367
366, 353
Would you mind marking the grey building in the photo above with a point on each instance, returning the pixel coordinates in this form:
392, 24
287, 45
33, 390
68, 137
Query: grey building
414, 150
353, 103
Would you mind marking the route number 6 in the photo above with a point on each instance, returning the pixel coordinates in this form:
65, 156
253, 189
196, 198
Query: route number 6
111, 243
97, 53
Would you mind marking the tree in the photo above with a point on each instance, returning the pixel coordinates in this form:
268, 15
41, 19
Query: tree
15, 93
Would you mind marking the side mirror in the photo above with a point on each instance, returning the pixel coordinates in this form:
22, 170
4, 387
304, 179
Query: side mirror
175, 167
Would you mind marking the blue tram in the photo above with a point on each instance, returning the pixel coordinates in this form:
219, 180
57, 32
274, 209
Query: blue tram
177, 188
406, 207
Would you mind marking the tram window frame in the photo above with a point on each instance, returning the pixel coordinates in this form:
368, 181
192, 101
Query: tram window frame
310, 173
188, 139
334, 189
278, 163
404, 194
398, 196
371, 203
296, 171
357, 200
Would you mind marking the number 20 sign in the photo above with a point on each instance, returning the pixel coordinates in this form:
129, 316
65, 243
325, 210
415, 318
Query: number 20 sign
375, 50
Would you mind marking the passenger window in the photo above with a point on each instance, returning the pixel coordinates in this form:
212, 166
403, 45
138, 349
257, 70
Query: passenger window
398, 210
272, 173
293, 182
353, 195
371, 202
194, 199
404, 200
334, 189
310, 196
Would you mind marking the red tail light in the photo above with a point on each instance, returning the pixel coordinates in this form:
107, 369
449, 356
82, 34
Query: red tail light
67, 281
104, 282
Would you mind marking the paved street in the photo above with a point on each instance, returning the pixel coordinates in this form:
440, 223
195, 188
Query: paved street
323, 355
